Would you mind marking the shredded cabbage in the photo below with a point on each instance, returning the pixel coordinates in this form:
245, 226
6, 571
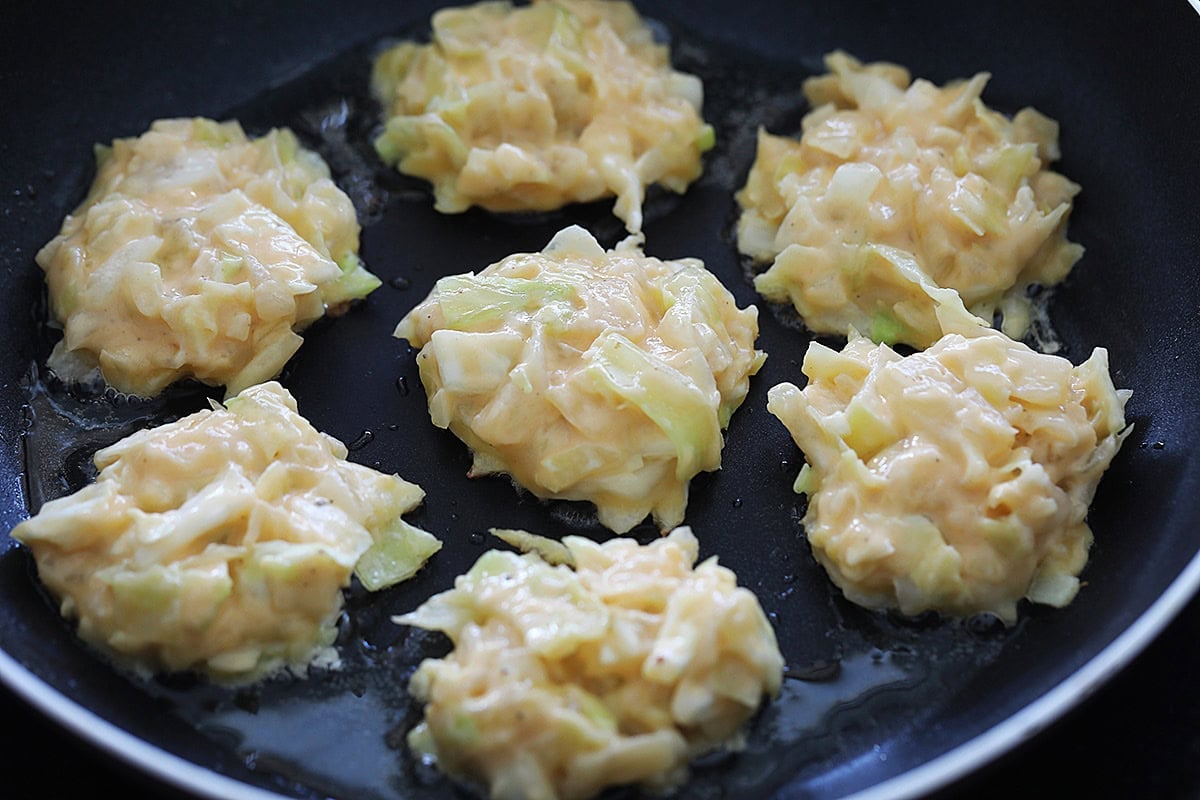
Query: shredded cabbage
531, 107
566, 680
956, 479
926, 170
200, 253
586, 374
221, 542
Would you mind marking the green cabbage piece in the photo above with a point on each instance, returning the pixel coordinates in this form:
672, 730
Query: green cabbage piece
886, 329
398, 552
355, 282
668, 397
468, 301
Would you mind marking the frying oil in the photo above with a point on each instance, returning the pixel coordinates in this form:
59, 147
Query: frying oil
65, 426
851, 692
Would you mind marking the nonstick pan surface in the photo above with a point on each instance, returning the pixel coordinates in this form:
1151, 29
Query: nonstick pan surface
873, 703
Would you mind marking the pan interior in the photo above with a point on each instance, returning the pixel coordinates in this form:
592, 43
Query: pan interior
868, 696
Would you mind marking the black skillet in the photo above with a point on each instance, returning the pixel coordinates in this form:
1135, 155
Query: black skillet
873, 704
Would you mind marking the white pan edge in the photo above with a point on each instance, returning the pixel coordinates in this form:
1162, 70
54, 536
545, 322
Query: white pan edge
934, 775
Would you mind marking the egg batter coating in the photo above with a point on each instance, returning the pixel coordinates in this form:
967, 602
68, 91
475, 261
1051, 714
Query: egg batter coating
617, 670
532, 107
221, 542
928, 170
956, 479
586, 374
199, 253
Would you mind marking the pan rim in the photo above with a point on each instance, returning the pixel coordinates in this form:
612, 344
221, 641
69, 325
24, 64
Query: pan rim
958, 761
939, 773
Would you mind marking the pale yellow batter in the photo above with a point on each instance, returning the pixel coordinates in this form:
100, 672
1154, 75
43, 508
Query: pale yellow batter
588, 374
617, 670
532, 107
926, 170
200, 253
222, 542
956, 479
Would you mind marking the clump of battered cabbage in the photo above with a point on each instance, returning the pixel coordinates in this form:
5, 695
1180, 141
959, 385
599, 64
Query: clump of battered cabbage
532, 107
956, 479
586, 374
199, 253
221, 542
930, 171
616, 670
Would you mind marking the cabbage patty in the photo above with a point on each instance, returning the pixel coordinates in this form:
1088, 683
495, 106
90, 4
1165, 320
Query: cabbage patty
222, 542
956, 479
586, 374
532, 107
926, 170
199, 253
617, 670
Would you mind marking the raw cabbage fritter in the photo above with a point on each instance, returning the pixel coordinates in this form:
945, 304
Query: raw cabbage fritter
532, 107
222, 542
930, 171
956, 479
200, 254
616, 670
586, 374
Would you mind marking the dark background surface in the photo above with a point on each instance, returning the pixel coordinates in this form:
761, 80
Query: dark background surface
1138, 735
